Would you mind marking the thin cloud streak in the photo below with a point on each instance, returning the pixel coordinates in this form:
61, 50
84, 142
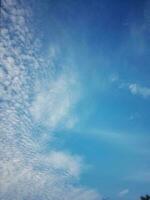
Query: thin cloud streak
123, 193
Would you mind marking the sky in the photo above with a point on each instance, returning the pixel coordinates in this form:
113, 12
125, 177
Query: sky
74, 99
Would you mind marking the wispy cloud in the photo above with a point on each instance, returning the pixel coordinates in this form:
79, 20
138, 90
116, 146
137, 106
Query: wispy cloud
136, 89
136, 144
123, 193
72, 165
53, 104
25, 172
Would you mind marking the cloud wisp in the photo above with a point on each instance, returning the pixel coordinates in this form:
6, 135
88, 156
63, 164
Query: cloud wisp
26, 172
136, 89
123, 193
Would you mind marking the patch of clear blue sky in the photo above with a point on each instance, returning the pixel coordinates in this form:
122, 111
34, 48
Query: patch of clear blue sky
102, 38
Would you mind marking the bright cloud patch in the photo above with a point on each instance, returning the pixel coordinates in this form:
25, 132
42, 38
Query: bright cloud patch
139, 90
72, 165
51, 106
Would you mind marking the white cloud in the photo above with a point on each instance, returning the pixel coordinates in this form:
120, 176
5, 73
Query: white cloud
123, 193
51, 106
25, 173
136, 89
66, 162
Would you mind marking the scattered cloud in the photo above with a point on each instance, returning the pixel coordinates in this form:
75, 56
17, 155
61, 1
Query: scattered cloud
136, 89
26, 171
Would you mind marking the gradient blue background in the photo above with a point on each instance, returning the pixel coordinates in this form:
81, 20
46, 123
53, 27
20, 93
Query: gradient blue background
107, 43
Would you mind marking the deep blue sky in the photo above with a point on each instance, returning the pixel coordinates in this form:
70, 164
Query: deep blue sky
93, 93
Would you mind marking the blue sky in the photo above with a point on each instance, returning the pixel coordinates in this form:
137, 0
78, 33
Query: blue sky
75, 95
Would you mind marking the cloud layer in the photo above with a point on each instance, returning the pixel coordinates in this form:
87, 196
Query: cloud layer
26, 172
